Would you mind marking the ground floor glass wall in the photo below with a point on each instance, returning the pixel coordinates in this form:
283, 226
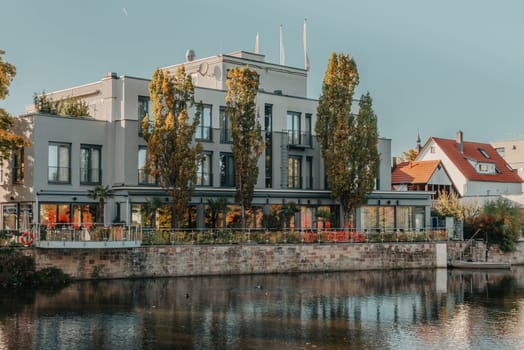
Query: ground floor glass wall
66, 213
391, 218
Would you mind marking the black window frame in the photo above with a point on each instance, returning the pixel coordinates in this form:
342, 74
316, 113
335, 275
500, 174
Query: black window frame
227, 162
204, 132
201, 174
59, 162
90, 170
18, 168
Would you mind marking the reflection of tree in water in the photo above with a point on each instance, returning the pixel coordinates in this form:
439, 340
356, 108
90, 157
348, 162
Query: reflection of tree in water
355, 309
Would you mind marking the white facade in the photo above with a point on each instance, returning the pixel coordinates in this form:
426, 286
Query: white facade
487, 181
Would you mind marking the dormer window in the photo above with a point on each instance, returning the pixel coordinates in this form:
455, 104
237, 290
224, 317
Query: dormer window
483, 168
484, 153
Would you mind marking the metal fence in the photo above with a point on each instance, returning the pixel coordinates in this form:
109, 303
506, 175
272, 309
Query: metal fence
163, 236
86, 232
152, 236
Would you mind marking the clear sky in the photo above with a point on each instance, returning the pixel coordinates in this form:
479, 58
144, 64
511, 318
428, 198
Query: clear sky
430, 66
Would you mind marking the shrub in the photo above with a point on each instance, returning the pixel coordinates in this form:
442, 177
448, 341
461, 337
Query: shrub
18, 271
500, 219
52, 278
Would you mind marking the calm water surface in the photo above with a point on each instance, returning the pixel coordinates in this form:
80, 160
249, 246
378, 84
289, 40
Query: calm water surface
416, 309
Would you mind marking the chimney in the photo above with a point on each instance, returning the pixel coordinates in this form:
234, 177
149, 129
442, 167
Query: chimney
460, 141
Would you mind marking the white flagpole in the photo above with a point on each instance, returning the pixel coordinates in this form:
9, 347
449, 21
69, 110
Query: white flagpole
304, 38
282, 54
256, 44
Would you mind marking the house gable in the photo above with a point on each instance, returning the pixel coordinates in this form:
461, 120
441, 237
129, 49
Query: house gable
473, 162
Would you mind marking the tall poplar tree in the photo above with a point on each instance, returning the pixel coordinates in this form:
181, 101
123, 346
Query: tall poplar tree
348, 142
246, 133
171, 155
9, 141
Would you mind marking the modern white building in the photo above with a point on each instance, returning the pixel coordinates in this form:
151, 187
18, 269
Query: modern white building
49, 181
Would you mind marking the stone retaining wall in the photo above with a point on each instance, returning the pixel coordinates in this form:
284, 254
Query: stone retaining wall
194, 260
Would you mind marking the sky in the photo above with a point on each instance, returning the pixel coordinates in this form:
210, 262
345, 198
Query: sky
431, 67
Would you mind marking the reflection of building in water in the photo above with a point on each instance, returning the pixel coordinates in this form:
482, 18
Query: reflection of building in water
372, 309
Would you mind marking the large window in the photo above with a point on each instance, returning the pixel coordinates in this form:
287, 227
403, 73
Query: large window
204, 172
144, 178
306, 136
64, 213
204, 129
143, 109
268, 125
59, 166
309, 173
293, 128
18, 166
90, 164
294, 172
9, 214
225, 130
227, 170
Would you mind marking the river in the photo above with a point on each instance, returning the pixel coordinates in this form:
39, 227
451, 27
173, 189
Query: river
408, 309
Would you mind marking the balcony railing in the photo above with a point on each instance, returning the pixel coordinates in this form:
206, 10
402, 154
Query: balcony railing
58, 174
86, 235
146, 179
204, 133
225, 136
298, 139
294, 182
90, 176
204, 179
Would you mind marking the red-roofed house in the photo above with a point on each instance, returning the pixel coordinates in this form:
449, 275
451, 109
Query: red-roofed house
425, 175
475, 169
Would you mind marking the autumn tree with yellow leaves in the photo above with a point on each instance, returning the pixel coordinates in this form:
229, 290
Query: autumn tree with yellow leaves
246, 133
348, 142
171, 155
9, 141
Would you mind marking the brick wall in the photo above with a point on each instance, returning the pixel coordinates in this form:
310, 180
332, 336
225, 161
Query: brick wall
186, 260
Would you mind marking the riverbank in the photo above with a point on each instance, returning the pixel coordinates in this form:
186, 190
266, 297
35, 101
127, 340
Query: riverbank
201, 260
234, 259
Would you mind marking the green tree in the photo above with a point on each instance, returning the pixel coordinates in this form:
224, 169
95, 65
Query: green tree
348, 142
215, 207
150, 208
171, 155
70, 107
9, 141
501, 220
287, 211
246, 133
100, 193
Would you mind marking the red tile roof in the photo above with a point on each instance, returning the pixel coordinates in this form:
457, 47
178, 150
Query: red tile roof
416, 172
472, 151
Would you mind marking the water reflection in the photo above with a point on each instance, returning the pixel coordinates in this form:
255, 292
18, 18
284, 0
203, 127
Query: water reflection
358, 310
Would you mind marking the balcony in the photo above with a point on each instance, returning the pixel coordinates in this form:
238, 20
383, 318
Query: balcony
146, 179
297, 139
86, 235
